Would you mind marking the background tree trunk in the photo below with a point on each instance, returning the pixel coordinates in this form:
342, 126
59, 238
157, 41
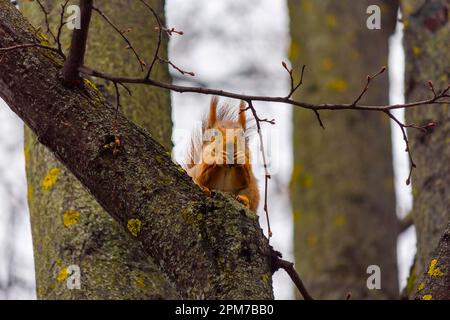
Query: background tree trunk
342, 182
427, 31
69, 227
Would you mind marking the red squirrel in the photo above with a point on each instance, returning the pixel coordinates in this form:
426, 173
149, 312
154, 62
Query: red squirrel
220, 159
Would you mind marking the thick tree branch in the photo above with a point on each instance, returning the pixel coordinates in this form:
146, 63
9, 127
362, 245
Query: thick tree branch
75, 58
210, 247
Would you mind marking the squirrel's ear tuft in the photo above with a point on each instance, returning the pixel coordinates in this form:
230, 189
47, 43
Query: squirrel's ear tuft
242, 119
213, 112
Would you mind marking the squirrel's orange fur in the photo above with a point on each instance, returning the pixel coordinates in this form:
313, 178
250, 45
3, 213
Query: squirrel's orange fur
220, 159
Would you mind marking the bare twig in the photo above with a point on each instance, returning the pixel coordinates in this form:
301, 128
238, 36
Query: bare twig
405, 138
403, 127
316, 112
431, 86
61, 24
47, 24
122, 34
439, 99
158, 45
369, 79
294, 86
266, 170
183, 72
160, 28
28, 45
170, 31
126, 88
287, 266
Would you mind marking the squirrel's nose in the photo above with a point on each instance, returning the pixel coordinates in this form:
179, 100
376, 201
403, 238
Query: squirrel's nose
229, 157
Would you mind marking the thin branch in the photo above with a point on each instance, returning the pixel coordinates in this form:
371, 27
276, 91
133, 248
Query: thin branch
294, 86
278, 263
266, 170
158, 45
126, 88
223, 93
122, 34
28, 45
405, 138
183, 72
431, 86
61, 24
403, 127
369, 80
316, 112
47, 24
170, 31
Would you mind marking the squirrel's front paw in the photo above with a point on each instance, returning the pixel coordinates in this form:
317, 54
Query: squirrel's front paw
244, 200
206, 190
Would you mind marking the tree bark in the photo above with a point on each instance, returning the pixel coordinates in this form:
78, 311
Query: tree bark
208, 246
69, 227
342, 181
427, 30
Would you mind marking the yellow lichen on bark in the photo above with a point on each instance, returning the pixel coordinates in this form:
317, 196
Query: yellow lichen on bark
433, 271
71, 218
134, 226
63, 274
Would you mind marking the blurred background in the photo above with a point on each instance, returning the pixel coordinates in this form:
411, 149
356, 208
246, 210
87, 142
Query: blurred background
237, 46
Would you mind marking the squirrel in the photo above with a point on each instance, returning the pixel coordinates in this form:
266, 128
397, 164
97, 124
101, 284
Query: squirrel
220, 158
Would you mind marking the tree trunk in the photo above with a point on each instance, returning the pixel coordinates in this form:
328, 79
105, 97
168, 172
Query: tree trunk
427, 31
208, 246
342, 182
69, 227
435, 282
